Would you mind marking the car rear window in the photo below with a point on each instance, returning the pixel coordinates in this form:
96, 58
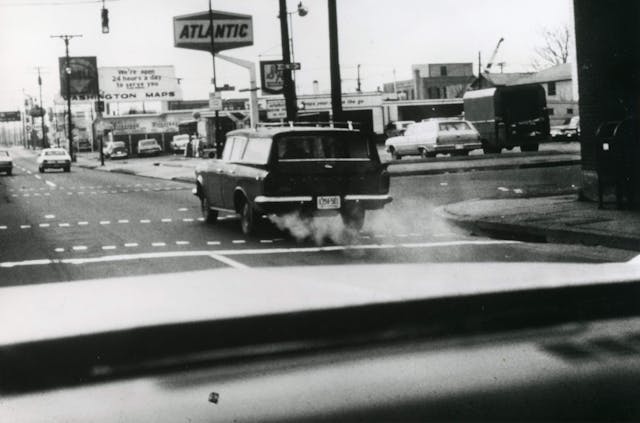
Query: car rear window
454, 126
331, 146
55, 153
150, 142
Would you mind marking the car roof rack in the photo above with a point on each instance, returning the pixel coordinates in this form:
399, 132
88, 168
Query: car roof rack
325, 124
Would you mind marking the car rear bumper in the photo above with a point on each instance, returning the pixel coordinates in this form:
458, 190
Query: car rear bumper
270, 205
55, 165
448, 148
6, 166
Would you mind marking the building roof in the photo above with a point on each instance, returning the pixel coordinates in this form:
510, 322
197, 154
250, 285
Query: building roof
560, 72
499, 79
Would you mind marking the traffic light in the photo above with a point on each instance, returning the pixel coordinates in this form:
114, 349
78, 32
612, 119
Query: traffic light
105, 21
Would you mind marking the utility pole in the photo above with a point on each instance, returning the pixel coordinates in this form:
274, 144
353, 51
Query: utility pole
44, 134
395, 83
66, 38
289, 89
480, 70
334, 59
359, 89
218, 135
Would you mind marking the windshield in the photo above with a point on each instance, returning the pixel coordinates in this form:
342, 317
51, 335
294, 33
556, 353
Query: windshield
322, 147
149, 149
55, 153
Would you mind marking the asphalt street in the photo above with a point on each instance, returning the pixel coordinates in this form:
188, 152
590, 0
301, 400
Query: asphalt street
88, 224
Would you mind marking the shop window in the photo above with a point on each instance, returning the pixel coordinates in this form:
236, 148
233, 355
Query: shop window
551, 111
569, 111
551, 88
443, 71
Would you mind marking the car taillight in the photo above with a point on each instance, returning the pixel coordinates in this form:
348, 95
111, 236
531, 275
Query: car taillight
384, 181
269, 184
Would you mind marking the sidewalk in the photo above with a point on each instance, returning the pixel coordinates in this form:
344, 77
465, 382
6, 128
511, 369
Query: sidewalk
559, 219
180, 168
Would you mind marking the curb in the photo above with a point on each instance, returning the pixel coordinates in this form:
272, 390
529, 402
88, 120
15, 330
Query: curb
505, 166
527, 233
182, 179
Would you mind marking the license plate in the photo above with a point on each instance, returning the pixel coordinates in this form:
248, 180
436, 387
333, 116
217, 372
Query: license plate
329, 202
459, 147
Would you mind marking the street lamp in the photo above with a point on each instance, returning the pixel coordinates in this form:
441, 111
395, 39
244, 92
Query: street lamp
302, 11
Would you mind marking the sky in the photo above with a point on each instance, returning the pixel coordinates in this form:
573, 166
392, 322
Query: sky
380, 36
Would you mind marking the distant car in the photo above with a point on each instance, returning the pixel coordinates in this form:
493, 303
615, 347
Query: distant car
179, 142
568, 131
149, 147
6, 162
433, 136
279, 170
116, 150
84, 145
397, 128
54, 158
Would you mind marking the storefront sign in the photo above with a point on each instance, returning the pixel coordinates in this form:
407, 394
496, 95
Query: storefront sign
139, 83
83, 76
271, 77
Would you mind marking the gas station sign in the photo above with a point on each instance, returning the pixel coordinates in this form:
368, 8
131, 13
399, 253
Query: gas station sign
230, 30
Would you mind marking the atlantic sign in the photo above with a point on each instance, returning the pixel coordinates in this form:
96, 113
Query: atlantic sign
230, 30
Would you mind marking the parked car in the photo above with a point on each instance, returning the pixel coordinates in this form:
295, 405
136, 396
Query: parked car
397, 128
434, 136
278, 170
149, 147
179, 142
116, 150
84, 145
568, 131
6, 162
54, 158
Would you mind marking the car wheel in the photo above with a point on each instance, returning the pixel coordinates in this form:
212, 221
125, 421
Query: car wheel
9, 172
394, 154
249, 219
488, 149
461, 153
353, 217
67, 169
210, 216
41, 169
423, 153
529, 147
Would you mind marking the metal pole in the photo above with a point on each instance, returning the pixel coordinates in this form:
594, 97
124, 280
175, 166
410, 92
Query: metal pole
293, 54
288, 87
334, 58
359, 89
99, 107
44, 134
218, 136
69, 120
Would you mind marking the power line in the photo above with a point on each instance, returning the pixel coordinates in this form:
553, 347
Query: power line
53, 3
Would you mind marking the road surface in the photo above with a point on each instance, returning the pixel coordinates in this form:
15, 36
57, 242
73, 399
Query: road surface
89, 224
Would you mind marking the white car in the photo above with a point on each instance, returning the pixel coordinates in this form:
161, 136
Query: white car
433, 136
116, 150
6, 163
149, 147
54, 158
179, 142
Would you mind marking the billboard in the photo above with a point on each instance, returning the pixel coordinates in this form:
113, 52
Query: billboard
271, 77
138, 83
10, 116
83, 76
230, 30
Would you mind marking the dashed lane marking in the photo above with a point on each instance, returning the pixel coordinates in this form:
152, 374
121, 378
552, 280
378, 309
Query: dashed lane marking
238, 241
145, 221
63, 225
165, 220
213, 242
182, 209
38, 177
51, 184
25, 226
3, 227
83, 223
158, 244
108, 247
182, 242
123, 221
59, 250
131, 244
105, 222
44, 225
79, 248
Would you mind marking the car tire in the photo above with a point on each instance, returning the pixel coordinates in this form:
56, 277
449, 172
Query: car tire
41, 169
488, 149
394, 154
353, 217
67, 169
529, 147
423, 153
249, 219
210, 216
9, 172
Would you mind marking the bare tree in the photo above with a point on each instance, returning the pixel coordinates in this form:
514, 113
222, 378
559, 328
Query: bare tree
555, 48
